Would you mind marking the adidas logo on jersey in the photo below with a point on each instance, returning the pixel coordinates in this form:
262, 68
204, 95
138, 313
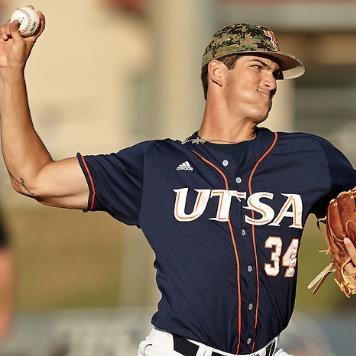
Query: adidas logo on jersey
185, 166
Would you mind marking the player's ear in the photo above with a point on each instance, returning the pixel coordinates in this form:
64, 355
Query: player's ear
216, 71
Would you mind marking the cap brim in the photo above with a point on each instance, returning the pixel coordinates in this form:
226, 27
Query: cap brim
290, 65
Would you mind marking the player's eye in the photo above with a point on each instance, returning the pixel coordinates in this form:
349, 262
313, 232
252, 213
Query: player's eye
278, 74
257, 66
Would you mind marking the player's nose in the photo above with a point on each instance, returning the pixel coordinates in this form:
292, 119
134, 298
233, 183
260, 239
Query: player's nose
270, 83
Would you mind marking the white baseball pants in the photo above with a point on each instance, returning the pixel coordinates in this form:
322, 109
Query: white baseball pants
160, 343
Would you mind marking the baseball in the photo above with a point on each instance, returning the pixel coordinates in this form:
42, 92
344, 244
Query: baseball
28, 19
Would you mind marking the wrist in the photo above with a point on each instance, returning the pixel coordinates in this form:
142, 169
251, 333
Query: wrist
11, 75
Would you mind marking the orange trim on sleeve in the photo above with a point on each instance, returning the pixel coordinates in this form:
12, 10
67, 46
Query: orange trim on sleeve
92, 187
235, 250
253, 231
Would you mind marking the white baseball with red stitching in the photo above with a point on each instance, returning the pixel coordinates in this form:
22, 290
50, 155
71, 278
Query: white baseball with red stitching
28, 19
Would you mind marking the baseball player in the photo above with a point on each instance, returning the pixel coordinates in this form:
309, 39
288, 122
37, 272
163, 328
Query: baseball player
223, 210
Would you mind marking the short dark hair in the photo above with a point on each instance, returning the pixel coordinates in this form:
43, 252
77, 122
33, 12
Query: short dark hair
229, 61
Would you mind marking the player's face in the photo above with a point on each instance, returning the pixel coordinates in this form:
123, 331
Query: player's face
250, 87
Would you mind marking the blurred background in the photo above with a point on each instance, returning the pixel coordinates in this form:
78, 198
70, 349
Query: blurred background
109, 73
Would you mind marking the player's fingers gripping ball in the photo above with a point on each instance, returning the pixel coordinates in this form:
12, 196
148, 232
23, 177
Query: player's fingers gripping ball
340, 224
28, 19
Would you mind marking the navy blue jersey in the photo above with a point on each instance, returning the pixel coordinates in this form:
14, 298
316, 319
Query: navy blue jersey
225, 232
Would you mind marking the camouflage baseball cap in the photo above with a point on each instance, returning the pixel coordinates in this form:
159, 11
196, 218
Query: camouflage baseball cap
244, 38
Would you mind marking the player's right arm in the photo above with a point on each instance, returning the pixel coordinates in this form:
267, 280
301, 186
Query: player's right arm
31, 168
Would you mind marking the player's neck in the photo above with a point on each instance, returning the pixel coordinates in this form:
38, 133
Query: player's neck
226, 129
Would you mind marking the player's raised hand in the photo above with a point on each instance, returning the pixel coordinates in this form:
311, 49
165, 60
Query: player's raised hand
15, 49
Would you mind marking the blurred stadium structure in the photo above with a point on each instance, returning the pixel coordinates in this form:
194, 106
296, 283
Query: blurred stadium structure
118, 332
109, 73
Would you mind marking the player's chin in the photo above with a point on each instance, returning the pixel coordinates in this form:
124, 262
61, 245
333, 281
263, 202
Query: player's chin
266, 111
261, 114
261, 119
258, 119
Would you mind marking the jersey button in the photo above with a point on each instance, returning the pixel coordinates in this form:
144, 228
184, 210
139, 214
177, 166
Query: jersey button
250, 306
225, 162
249, 268
243, 232
238, 180
248, 341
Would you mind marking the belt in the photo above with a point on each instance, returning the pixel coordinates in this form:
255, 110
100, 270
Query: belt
187, 348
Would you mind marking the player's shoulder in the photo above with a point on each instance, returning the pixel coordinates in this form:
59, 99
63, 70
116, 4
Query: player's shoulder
303, 138
158, 146
307, 142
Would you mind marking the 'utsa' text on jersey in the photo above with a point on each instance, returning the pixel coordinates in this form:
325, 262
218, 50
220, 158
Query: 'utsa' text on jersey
292, 208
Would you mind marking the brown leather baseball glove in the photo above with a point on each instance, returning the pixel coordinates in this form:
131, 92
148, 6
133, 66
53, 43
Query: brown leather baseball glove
340, 222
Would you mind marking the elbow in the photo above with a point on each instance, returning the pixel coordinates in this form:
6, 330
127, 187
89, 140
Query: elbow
15, 185
21, 187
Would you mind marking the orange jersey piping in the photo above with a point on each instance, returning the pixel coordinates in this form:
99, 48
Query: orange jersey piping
235, 250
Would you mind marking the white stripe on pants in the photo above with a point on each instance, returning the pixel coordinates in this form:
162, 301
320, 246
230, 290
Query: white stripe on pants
160, 343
